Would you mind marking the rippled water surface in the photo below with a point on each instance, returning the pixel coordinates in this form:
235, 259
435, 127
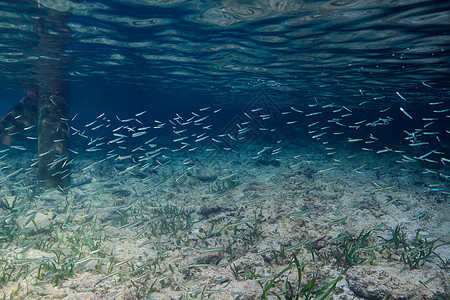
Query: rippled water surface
328, 47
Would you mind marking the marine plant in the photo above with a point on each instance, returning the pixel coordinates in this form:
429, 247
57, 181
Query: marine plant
280, 255
250, 235
56, 270
348, 250
243, 273
220, 186
170, 219
205, 234
6, 272
312, 289
230, 250
9, 229
415, 253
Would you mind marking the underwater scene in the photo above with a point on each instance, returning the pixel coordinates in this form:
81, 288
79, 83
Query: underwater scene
224, 149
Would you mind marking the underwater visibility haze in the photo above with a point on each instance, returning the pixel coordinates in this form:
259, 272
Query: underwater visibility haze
224, 149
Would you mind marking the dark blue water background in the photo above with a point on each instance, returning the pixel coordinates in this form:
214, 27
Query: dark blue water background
167, 57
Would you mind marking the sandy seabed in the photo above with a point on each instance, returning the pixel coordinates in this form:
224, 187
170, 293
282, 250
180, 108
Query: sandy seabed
227, 226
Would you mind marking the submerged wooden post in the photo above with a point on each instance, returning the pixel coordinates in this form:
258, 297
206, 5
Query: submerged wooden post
53, 138
53, 122
47, 100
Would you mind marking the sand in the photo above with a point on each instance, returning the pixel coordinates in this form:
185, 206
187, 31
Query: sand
221, 225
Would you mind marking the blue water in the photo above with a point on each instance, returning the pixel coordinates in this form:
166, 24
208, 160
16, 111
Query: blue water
331, 107
158, 56
212, 48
